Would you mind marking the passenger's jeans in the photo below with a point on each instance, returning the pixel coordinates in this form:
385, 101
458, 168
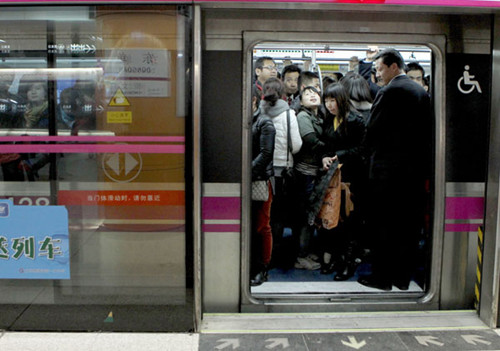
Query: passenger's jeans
262, 237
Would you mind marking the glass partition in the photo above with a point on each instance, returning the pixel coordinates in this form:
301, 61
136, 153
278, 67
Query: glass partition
93, 104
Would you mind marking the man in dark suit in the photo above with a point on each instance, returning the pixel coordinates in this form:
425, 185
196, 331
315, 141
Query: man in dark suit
398, 147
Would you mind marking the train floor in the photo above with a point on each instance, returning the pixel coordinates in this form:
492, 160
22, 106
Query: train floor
300, 281
284, 278
384, 331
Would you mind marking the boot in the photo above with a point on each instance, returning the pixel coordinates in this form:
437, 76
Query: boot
259, 278
348, 271
329, 265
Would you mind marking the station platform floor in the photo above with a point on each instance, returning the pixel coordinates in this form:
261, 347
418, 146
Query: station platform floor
381, 331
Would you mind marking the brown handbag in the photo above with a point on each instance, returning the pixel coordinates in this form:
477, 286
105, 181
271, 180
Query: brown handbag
329, 214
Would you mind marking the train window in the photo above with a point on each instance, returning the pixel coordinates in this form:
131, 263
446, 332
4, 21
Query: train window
322, 238
93, 119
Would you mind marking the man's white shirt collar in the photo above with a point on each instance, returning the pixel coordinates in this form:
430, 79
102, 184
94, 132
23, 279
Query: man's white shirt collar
399, 75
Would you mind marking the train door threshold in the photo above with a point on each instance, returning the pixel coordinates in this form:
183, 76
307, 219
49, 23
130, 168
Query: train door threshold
376, 331
340, 322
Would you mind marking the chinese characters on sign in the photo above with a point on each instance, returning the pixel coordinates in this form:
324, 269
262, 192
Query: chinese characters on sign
37, 248
25, 246
138, 72
122, 198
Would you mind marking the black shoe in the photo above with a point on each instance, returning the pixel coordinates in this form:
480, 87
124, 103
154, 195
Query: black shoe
259, 278
328, 268
402, 284
372, 282
348, 270
345, 274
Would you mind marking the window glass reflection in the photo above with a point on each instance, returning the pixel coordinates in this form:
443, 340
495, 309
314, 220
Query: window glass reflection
89, 121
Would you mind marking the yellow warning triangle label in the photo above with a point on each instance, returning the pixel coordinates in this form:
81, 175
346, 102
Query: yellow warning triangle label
119, 99
109, 318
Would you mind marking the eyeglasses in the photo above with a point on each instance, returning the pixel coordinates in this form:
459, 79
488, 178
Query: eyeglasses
271, 68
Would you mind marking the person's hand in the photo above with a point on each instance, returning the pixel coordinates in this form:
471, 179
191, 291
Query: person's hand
327, 162
371, 52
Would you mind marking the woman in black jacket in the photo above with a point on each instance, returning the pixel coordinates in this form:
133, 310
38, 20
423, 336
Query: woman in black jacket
359, 93
343, 134
263, 134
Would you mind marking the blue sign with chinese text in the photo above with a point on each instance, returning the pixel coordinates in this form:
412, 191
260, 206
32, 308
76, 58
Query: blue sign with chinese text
34, 242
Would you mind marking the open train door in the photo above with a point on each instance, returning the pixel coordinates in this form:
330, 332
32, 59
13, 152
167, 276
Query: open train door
284, 295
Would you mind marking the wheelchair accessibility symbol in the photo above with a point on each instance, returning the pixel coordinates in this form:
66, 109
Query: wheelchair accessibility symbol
467, 80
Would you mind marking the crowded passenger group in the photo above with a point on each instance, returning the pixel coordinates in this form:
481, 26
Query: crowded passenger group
342, 142
24, 105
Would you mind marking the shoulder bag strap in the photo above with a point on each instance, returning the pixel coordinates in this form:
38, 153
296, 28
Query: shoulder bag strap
288, 138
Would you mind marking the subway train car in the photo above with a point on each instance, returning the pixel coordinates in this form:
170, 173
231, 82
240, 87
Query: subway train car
125, 127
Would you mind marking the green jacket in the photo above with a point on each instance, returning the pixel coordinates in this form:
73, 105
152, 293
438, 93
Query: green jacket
311, 130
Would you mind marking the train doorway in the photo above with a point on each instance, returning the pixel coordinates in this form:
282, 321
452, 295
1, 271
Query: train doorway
331, 60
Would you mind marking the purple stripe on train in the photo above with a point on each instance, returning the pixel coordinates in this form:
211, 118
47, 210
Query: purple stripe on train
464, 208
221, 228
229, 208
461, 227
221, 208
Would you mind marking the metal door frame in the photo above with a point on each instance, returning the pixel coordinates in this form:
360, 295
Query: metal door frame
196, 134
437, 43
490, 275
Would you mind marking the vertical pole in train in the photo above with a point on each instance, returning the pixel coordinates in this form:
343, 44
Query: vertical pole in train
52, 100
315, 67
479, 267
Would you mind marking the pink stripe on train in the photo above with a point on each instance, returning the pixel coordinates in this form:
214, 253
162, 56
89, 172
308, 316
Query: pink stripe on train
229, 208
461, 227
221, 208
93, 138
464, 208
93, 148
221, 228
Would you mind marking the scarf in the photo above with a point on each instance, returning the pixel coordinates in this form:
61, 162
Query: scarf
33, 114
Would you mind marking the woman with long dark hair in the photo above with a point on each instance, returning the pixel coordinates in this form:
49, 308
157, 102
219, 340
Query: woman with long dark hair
344, 130
359, 93
263, 133
287, 142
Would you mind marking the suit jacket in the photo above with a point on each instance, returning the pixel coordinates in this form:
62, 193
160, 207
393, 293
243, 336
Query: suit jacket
398, 139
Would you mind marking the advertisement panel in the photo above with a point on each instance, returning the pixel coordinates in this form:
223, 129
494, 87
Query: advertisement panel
34, 242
